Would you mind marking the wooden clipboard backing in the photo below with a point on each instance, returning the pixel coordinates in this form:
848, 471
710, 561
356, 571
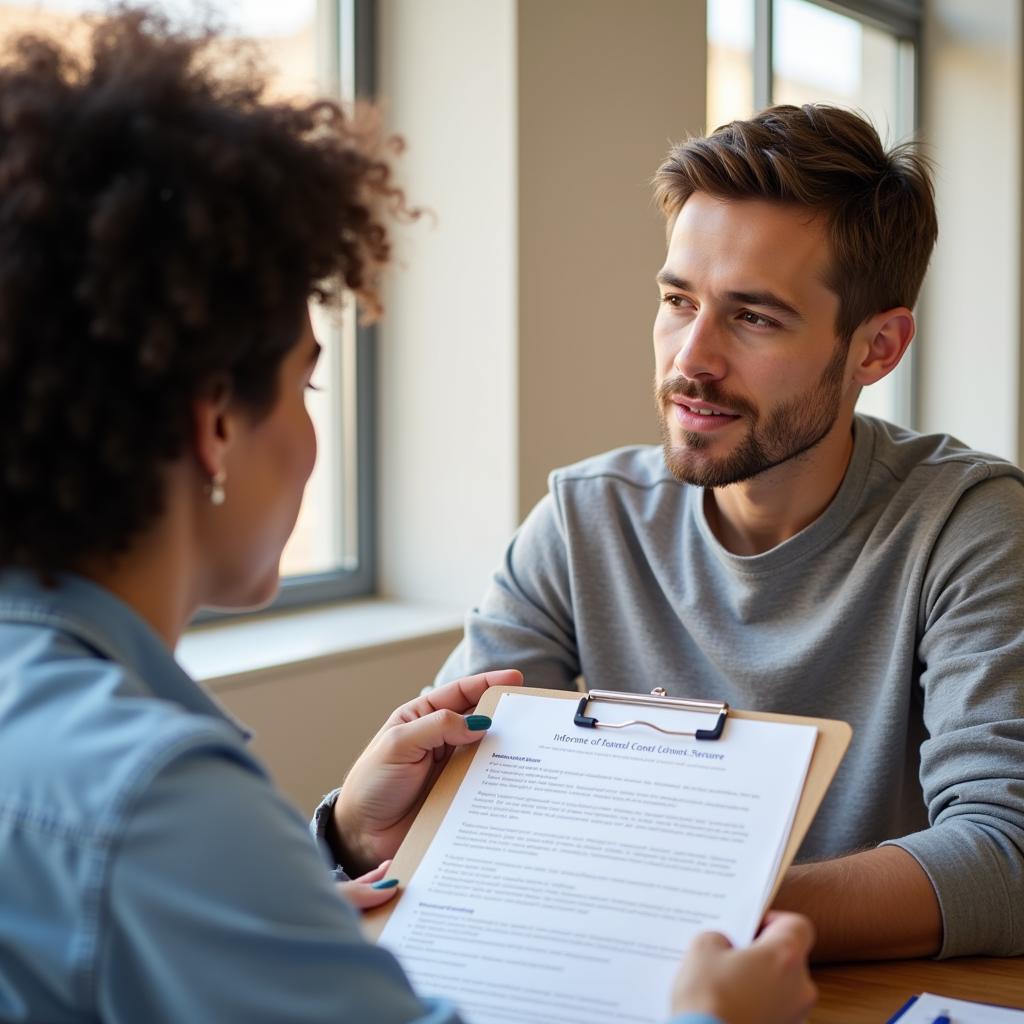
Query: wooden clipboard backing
833, 739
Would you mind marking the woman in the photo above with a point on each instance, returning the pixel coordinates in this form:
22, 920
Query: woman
161, 233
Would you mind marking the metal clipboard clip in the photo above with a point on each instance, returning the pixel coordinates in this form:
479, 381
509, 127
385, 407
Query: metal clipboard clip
658, 698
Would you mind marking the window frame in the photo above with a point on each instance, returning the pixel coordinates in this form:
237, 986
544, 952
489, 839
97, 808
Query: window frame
903, 18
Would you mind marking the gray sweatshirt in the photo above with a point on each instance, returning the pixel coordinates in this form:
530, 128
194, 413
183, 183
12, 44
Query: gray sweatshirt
899, 610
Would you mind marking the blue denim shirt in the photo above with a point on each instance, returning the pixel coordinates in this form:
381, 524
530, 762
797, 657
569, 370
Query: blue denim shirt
150, 870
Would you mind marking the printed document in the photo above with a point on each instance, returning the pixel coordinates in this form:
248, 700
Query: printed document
928, 1008
574, 866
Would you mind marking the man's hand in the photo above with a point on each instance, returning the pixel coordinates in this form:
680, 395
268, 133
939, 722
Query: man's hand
393, 775
766, 983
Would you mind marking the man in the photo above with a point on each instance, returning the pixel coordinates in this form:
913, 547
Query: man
783, 554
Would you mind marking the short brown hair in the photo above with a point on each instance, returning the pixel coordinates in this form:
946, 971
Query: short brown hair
879, 205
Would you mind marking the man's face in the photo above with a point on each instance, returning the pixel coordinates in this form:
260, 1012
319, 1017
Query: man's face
749, 371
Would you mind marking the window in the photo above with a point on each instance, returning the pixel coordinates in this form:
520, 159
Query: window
860, 54
312, 47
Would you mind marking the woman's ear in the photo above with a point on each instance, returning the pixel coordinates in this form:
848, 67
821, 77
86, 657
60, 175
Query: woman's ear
213, 429
882, 340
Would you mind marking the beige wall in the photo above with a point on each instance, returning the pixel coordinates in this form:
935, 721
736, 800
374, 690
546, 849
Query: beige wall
603, 87
969, 344
447, 366
311, 721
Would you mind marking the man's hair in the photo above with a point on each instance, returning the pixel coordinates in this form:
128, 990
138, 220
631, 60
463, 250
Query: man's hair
879, 207
162, 226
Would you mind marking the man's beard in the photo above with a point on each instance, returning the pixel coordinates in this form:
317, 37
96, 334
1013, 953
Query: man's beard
789, 430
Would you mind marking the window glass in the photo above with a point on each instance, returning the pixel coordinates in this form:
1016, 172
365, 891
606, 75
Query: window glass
730, 61
821, 56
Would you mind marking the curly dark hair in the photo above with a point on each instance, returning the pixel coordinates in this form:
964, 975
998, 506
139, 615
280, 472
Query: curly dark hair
162, 226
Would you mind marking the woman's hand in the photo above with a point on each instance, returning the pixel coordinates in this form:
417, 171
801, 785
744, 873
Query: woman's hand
393, 775
370, 890
766, 983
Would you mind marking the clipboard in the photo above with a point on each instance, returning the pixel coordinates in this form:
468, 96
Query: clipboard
832, 741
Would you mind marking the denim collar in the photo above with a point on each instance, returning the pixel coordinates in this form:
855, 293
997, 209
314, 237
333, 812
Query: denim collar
111, 629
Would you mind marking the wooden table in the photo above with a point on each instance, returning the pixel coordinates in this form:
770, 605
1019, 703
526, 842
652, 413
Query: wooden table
870, 993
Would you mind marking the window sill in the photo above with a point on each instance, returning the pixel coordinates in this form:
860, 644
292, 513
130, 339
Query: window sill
225, 655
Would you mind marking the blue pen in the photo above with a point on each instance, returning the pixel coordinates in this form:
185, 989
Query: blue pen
943, 1018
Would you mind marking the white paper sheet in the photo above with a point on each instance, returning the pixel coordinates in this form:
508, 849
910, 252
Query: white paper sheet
928, 1007
574, 866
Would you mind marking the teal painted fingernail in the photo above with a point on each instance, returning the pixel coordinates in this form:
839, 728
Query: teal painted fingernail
387, 883
477, 723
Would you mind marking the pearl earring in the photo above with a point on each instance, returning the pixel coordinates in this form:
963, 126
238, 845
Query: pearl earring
217, 487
